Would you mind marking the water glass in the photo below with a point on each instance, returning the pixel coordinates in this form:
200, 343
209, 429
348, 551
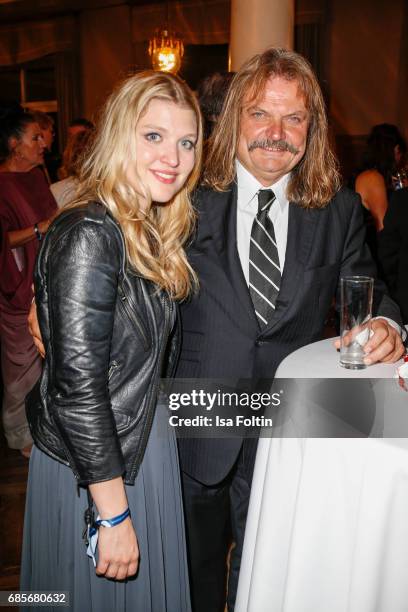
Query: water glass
355, 319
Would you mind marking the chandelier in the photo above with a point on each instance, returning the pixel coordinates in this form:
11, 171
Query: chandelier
166, 49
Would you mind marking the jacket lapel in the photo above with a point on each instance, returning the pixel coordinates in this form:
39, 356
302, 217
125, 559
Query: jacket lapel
221, 218
301, 230
221, 215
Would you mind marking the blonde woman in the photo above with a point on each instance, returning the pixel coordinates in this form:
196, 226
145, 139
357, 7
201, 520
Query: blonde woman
108, 276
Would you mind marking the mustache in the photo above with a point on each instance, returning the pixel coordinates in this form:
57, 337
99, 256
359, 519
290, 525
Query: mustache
274, 145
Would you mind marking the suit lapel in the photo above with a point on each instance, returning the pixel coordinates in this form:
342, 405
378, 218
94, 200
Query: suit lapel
221, 215
238, 281
301, 230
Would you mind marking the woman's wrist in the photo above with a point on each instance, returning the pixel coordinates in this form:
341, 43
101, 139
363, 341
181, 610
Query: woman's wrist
37, 232
109, 497
39, 229
44, 225
114, 520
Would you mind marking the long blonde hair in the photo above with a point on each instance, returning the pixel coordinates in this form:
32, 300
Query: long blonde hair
154, 240
315, 179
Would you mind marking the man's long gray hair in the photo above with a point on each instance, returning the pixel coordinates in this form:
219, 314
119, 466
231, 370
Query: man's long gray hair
315, 179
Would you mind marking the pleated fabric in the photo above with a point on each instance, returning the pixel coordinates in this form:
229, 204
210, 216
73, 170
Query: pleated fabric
54, 555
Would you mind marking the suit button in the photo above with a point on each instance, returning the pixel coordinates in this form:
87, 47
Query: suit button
260, 342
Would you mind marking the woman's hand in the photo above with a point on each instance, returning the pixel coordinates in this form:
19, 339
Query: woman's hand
34, 330
44, 225
118, 551
18, 238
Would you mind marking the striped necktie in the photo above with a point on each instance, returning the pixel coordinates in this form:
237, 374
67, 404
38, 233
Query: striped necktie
264, 269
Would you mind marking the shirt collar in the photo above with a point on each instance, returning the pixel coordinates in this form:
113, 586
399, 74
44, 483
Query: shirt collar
248, 186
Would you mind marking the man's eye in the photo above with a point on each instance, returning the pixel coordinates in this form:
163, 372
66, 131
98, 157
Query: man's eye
187, 144
257, 114
153, 137
294, 119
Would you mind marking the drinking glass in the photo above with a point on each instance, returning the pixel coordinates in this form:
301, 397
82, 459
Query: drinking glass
355, 320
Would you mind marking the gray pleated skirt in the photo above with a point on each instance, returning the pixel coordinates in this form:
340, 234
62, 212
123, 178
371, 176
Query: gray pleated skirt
54, 556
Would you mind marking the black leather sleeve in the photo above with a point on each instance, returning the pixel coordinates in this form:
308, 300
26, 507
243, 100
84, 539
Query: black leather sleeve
82, 279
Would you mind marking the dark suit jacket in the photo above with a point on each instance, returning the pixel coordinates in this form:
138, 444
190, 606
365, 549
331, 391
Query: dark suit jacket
393, 249
220, 333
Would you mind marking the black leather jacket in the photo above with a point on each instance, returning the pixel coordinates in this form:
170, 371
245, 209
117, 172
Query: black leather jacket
105, 332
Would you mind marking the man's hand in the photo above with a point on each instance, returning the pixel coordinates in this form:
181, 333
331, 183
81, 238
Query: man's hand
384, 346
34, 329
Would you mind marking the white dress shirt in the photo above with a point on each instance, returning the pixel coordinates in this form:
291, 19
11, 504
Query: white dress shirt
247, 208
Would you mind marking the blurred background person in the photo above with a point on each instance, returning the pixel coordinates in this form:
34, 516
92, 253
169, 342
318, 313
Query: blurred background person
65, 189
46, 123
52, 160
393, 249
26, 208
385, 154
211, 93
79, 124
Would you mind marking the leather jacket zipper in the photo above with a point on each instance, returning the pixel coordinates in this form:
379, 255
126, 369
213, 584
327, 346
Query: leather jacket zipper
129, 311
154, 391
113, 366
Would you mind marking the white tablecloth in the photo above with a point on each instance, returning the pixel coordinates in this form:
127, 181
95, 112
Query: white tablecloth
327, 527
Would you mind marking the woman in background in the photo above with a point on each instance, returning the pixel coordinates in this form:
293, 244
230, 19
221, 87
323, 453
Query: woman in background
26, 208
107, 277
64, 190
386, 148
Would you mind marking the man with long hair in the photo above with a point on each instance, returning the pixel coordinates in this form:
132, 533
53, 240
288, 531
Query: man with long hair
275, 233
